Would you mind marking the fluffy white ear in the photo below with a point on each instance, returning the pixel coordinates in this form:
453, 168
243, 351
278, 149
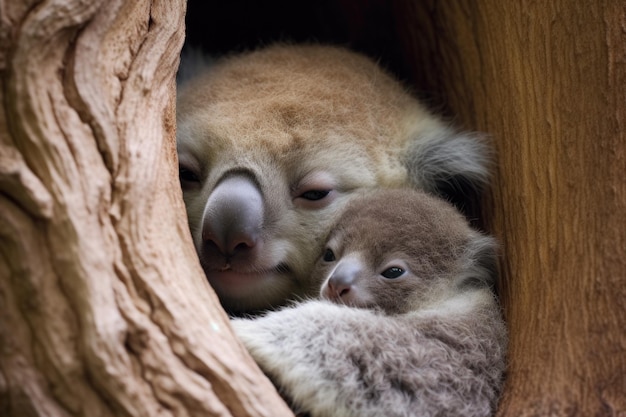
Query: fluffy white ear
192, 61
453, 165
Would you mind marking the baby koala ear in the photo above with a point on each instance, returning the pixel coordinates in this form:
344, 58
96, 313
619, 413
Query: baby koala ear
480, 268
452, 165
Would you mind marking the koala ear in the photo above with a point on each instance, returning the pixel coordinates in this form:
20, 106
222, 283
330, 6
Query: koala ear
481, 268
451, 165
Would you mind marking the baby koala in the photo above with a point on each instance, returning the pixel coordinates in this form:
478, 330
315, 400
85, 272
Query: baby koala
407, 324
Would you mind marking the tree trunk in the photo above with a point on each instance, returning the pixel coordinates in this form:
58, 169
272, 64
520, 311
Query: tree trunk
548, 81
104, 309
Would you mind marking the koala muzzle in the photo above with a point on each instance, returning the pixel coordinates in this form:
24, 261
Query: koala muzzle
233, 218
343, 278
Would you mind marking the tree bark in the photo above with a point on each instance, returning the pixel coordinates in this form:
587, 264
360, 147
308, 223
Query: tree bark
548, 81
104, 309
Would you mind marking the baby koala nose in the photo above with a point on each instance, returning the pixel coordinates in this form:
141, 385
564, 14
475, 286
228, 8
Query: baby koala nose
339, 286
342, 280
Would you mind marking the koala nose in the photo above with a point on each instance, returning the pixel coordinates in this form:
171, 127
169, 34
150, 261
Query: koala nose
343, 278
233, 216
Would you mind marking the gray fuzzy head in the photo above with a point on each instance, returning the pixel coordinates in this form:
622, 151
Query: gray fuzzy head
402, 250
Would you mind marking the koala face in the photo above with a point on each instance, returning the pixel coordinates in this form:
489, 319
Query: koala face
272, 145
400, 251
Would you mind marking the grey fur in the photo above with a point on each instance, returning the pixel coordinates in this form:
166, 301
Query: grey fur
442, 355
445, 156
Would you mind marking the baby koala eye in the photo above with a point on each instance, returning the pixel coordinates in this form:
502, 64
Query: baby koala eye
314, 195
329, 255
393, 272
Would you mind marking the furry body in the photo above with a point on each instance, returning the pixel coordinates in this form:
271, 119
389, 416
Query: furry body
273, 144
429, 341
337, 361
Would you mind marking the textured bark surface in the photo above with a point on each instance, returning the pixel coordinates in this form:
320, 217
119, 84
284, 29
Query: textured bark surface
548, 81
104, 309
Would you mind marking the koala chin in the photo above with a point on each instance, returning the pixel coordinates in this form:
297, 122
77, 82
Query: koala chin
272, 145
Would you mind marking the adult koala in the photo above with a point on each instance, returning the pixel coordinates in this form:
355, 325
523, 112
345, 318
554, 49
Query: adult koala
273, 143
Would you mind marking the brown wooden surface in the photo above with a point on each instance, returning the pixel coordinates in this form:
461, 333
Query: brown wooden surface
104, 309
548, 81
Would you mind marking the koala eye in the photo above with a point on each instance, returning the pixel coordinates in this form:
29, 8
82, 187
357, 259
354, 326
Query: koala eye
393, 272
314, 191
187, 175
329, 256
314, 195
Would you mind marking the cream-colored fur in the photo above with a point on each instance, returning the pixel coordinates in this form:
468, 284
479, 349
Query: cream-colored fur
295, 132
